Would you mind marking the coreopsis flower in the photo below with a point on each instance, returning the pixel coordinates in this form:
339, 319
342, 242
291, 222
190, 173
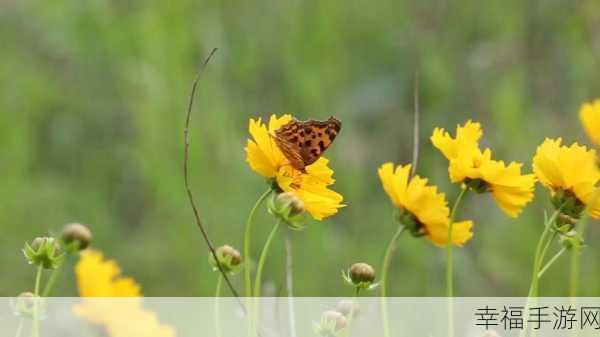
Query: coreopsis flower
311, 187
571, 175
475, 168
590, 118
102, 280
422, 209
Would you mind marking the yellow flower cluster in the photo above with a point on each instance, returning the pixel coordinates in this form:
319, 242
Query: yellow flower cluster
469, 165
101, 279
312, 187
426, 208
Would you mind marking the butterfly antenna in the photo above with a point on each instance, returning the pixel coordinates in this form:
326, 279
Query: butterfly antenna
186, 178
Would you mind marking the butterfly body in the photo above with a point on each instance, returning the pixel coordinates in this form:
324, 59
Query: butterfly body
303, 142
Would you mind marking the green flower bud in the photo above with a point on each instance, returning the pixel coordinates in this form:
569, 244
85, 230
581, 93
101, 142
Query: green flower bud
572, 241
43, 251
76, 236
25, 304
361, 276
345, 307
331, 325
229, 258
288, 208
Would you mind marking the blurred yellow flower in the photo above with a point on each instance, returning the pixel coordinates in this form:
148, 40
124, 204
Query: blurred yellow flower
423, 209
590, 118
97, 277
475, 168
571, 169
102, 280
265, 158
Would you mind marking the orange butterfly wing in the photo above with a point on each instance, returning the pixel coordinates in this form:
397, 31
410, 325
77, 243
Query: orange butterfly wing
303, 143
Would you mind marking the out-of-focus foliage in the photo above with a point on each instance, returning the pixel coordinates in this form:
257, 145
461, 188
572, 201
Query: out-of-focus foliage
93, 97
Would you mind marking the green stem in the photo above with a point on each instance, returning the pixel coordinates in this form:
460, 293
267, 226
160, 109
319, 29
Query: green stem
576, 256
217, 308
450, 265
259, 270
53, 277
384, 275
19, 328
351, 314
36, 309
551, 262
247, 267
538, 259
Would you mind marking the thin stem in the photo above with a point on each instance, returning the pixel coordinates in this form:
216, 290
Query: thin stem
247, 237
450, 265
351, 314
550, 262
259, 270
537, 261
20, 327
38, 278
247, 267
54, 277
290, 285
263, 258
576, 256
384, 275
217, 307
186, 178
35, 331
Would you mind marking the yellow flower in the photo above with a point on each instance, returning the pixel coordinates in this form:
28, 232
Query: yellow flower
102, 280
590, 118
97, 277
265, 158
470, 165
426, 208
569, 169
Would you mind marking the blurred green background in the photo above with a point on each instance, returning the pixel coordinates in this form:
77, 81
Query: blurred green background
93, 98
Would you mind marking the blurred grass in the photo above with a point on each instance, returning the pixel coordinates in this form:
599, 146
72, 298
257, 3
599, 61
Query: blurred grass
93, 96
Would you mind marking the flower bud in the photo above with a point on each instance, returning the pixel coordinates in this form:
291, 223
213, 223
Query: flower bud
331, 324
345, 307
76, 236
230, 259
43, 251
491, 333
571, 241
361, 276
288, 208
25, 304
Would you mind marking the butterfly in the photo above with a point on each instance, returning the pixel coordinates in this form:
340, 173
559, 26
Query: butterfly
303, 142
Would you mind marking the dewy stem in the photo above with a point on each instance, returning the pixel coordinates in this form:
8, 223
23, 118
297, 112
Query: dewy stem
449, 263
259, 270
384, 274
